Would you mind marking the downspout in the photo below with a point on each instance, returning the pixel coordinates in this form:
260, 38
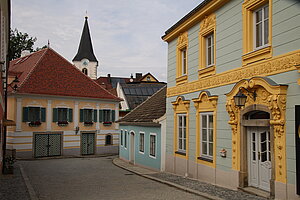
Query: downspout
5, 91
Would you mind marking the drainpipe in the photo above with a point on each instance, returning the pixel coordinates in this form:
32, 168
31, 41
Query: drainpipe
5, 91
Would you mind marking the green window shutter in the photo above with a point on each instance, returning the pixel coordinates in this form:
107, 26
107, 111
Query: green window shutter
113, 115
70, 116
95, 116
55, 115
101, 115
43, 114
81, 115
25, 114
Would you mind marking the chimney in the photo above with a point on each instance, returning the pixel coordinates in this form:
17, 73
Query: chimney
25, 53
138, 76
108, 77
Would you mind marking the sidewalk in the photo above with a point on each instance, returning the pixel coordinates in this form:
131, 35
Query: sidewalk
13, 187
189, 185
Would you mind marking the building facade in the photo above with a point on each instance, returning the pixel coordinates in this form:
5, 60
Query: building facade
58, 110
233, 95
142, 133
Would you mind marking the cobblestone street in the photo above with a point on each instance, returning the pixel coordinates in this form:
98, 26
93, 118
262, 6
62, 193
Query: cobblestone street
93, 178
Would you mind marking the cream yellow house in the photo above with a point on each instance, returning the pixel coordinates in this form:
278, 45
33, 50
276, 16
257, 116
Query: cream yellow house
59, 110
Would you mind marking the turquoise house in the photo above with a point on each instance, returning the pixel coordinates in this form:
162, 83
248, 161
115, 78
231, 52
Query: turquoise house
142, 133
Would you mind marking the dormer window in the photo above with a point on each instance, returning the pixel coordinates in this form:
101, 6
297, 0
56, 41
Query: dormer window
85, 71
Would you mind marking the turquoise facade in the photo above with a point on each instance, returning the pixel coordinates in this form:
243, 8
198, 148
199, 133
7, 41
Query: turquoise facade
141, 158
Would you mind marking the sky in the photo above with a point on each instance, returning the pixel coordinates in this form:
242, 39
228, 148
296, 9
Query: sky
126, 34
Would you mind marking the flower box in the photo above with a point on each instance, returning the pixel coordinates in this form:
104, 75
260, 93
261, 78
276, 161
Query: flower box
62, 123
88, 123
34, 123
107, 123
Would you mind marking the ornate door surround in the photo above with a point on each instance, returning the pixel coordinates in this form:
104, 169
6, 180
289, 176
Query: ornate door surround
271, 98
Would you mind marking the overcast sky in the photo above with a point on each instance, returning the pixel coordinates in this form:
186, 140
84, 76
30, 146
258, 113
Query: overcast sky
126, 34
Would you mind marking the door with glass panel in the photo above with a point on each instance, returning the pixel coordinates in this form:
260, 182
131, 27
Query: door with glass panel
259, 157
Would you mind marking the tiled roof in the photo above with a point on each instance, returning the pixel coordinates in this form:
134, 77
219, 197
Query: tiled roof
136, 93
47, 73
151, 109
85, 49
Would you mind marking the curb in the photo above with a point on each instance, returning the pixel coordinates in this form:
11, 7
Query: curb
30, 189
183, 188
66, 157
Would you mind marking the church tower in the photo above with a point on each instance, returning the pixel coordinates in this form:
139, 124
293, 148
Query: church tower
85, 59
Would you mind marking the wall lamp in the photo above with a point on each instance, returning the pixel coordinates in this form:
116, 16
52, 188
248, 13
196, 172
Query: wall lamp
15, 82
240, 98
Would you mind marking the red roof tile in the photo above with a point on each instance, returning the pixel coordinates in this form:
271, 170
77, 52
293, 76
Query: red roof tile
46, 72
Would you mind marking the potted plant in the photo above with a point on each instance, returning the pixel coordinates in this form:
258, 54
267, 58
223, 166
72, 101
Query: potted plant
107, 123
88, 123
34, 123
62, 123
9, 161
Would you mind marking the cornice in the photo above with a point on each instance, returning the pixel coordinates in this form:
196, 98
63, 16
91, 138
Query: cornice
194, 19
283, 63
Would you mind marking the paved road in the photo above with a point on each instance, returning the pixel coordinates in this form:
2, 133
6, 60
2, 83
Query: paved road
93, 178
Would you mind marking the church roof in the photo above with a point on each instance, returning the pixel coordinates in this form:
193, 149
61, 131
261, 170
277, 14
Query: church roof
85, 49
47, 73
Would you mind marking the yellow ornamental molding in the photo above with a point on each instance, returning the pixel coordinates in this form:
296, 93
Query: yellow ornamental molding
182, 40
205, 101
273, 96
181, 105
283, 63
208, 23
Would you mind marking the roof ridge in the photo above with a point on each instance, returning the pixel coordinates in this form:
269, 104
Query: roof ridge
145, 101
33, 68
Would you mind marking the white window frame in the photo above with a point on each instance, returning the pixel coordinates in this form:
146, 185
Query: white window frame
212, 51
142, 133
125, 139
207, 155
263, 27
182, 138
155, 144
121, 136
183, 54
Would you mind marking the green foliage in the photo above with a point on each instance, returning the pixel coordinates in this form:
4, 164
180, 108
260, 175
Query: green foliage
18, 42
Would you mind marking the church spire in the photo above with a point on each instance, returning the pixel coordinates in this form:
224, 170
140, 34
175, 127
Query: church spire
85, 49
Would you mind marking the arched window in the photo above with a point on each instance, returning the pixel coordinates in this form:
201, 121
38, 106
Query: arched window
85, 71
108, 139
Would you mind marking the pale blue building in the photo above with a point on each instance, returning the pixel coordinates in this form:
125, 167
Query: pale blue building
142, 133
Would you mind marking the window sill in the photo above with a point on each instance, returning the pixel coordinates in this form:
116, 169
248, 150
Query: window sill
257, 55
208, 71
34, 124
205, 159
107, 123
181, 80
180, 153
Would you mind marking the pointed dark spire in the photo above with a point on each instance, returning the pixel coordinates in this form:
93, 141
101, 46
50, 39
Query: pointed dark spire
85, 49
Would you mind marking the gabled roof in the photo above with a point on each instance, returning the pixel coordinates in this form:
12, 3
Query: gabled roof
144, 78
85, 49
136, 93
47, 73
151, 109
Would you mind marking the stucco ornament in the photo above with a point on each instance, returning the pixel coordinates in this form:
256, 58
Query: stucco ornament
207, 22
182, 39
271, 95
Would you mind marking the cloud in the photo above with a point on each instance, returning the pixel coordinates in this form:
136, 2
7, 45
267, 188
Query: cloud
126, 34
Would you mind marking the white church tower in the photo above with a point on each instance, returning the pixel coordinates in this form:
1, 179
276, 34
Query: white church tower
85, 59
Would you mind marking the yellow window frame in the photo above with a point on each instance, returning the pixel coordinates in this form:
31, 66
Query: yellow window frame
182, 43
250, 54
207, 27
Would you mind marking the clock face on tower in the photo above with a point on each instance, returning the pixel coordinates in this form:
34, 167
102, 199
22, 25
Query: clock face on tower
85, 62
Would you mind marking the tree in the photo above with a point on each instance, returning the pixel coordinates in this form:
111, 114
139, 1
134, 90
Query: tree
18, 42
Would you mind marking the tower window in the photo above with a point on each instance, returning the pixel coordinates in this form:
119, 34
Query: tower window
85, 71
